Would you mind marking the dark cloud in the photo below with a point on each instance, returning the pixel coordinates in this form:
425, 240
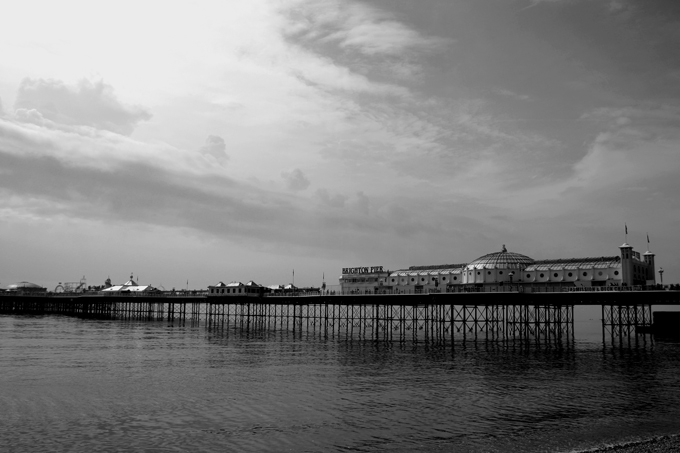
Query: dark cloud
143, 194
335, 201
295, 180
42, 179
215, 147
87, 104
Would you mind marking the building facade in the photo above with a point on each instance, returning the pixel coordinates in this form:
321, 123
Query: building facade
237, 289
129, 286
499, 270
365, 280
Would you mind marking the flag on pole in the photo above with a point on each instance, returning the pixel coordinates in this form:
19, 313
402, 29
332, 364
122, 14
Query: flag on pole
647, 238
626, 226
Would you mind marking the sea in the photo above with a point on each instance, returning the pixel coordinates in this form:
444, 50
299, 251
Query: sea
79, 385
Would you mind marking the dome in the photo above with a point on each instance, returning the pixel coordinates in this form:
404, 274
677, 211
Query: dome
501, 260
23, 285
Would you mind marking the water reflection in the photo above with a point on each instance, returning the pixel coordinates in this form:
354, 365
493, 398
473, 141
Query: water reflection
100, 385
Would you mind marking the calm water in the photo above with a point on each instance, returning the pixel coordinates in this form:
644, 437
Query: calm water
81, 386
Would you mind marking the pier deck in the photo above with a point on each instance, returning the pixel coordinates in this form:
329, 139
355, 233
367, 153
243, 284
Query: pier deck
437, 317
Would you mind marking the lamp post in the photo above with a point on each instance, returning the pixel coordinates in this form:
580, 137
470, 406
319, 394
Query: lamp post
511, 274
661, 275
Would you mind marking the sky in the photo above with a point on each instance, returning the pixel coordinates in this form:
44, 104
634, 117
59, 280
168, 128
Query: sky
187, 143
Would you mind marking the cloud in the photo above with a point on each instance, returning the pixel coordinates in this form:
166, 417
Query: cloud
538, 2
78, 176
369, 40
52, 175
636, 149
295, 180
511, 94
352, 25
615, 6
334, 201
88, 104
215, 147
362, 203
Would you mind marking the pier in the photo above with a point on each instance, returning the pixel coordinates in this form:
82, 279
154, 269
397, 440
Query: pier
435, 318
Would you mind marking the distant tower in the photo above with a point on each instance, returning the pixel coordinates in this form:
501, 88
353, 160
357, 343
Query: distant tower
626, 264
651, 270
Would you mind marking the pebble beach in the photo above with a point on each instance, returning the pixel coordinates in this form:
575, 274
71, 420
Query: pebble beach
662, 444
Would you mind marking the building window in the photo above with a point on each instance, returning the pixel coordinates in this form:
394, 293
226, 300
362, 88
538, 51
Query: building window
455, 278
478, 272
422, 279
585, 274
599, 273
555, 275
443, 279
528, 275
392, 280
412, 279
500, 272
488, 272
616, 272
570, 274
542, 275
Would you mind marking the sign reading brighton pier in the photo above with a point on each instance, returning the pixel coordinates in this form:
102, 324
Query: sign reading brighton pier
362, 270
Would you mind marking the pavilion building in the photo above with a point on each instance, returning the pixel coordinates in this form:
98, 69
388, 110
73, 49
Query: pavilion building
499, 269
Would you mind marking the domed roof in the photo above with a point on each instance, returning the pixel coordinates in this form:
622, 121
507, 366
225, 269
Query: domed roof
24, 285
501, 260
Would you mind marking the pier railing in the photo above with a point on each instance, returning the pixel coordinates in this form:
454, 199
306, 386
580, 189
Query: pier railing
499, 289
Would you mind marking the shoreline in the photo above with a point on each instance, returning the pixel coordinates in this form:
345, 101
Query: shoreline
658, 444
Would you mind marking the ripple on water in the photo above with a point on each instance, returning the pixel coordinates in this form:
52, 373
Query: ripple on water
77, 385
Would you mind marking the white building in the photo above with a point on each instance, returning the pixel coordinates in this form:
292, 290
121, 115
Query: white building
500, 269
129, 286
237, 289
